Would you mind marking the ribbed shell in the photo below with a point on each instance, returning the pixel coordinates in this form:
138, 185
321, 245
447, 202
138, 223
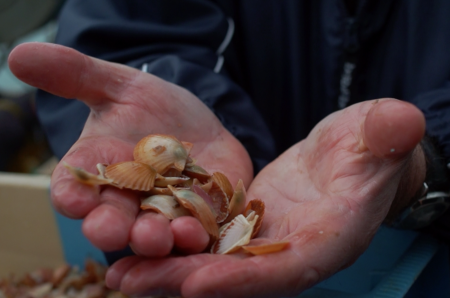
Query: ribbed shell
199, 210
131, 175
219, 202
224, 183
236, 234
166, 205
85, 177
258, 207
196, 171
237, 202
162, 152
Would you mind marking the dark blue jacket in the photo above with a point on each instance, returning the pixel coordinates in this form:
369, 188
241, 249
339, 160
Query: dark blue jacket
289, 61
267, 67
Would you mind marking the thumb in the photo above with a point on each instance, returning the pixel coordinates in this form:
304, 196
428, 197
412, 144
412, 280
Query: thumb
393, 128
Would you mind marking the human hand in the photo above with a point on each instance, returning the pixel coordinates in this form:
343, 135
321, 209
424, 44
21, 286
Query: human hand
326, 195
126, 105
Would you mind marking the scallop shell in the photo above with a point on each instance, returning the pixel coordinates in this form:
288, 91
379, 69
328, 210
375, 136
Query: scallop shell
188, 146
85, 177
196, 171
258, 207
162, 181
224, 183
166, 205
131, 175
162, 152
219, 202
199, 210
265, 248
237, 202
237, 233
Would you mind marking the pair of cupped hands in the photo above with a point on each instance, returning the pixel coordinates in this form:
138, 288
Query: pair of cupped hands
326, 195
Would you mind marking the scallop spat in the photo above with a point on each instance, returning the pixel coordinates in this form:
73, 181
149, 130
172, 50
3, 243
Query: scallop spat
196, 171
265, 248
258, 207
166, 205
85, 177
237, 202
162, 152
224, 183
219, 202
237, 234
131, 175
199, 209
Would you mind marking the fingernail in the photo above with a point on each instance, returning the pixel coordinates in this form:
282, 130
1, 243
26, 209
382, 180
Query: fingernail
113, 279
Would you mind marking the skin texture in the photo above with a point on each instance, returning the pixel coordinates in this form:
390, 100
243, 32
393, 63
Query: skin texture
326, 195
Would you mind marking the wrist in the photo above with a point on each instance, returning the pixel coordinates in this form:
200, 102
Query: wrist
410, 187
433, 197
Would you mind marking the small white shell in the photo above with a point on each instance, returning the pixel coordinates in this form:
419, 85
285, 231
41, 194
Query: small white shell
236, 234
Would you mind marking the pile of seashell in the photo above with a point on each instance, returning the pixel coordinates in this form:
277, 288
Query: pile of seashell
63, 282
176, 186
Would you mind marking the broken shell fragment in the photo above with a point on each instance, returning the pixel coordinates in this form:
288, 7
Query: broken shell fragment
265, 248
85, 177
162, 152
199, 209
166, 205
237, 202
196, 171
162, 181
236, 234
131, 175
224, 183
219, 202
258, 207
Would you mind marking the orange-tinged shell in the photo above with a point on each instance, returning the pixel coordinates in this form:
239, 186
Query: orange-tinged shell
162, 181
259, 207
206, 187
166, 205
188, 146
196, 171
131, 175
219, 201
237, 202
224, 183
160, 191
172, 173
265, 248
162, 152
85, 177
199, 210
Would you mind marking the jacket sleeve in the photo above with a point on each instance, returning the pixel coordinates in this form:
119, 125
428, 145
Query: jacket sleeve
181, 41
435, 105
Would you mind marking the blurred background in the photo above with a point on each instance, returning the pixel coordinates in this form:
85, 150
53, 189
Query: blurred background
23, 145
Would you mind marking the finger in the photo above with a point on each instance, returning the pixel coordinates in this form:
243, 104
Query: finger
151, 235
393, 128
69, 73
72, 198
115, 273
163, 276
108, 226
189, 235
